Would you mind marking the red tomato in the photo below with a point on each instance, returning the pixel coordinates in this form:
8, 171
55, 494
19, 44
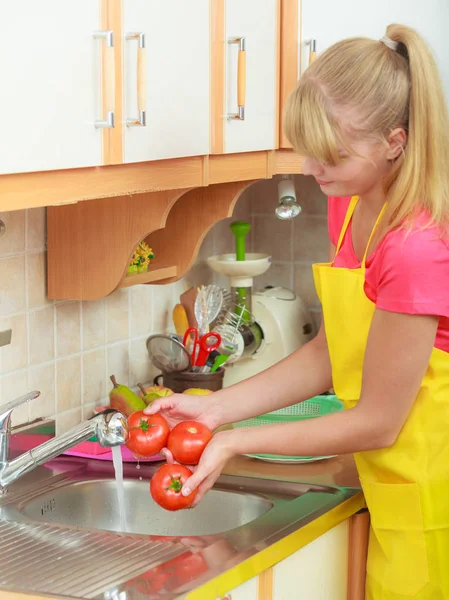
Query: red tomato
187, 441
147, 433
166, 485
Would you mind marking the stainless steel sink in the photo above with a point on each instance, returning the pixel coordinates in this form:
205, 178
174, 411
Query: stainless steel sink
62, 534
94, 504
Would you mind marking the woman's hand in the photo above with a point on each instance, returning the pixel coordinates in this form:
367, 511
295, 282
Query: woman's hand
185, 407
213, 460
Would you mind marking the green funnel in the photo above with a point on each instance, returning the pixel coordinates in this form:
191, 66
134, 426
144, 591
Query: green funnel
240, 230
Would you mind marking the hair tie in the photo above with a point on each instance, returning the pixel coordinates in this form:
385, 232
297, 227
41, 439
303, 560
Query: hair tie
389, 43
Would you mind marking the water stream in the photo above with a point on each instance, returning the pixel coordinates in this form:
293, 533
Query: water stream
118, 467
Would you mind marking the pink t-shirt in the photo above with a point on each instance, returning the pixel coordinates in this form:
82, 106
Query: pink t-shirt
407, 273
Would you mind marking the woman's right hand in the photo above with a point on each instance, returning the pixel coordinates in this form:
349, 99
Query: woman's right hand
185, 407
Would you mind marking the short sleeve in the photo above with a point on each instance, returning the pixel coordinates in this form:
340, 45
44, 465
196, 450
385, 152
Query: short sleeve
336, 212
409, 273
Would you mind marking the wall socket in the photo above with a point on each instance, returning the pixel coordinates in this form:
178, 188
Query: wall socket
5, 337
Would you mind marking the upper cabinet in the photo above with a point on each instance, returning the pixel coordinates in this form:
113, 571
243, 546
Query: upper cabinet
166, 86
327, 22
51, 85
245, 75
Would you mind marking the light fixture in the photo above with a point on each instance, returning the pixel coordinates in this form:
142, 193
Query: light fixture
287, 208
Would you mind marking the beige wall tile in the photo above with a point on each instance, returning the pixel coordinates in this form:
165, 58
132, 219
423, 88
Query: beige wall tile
12, 285
41, 334
163, 303
310, 239
243, 208
317, 316
117, 313
13, 242
141, 310
207, 246
304, 285
67, 420
68, 383
36, 229
265, 196
12, 386
118, 363
94, 377
310, 196
277, 274
68, 338
273, 237
14, 355
140, 368
94, 324
42, 378
37, 280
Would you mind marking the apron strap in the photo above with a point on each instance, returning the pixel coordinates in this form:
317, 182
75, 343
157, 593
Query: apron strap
348, 217
381, 214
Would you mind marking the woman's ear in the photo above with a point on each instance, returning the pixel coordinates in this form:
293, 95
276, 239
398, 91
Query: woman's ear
397, 140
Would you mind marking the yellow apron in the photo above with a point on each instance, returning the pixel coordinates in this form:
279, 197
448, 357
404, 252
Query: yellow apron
406, 486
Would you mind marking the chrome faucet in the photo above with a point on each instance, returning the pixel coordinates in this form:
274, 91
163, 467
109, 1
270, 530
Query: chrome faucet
110, 427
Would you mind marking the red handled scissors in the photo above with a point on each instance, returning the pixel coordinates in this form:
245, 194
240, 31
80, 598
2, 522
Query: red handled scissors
200, 348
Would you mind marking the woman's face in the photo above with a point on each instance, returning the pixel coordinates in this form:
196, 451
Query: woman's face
355, 175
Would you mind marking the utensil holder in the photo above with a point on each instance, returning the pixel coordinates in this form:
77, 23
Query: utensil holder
179, 382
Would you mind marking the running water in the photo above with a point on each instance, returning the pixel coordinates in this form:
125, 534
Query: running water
118, 467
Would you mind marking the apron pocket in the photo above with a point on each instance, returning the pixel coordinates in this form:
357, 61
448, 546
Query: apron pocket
397, 556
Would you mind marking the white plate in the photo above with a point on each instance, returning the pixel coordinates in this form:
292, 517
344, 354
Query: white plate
289, 461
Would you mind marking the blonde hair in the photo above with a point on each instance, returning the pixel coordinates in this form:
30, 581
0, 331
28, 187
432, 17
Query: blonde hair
388, 89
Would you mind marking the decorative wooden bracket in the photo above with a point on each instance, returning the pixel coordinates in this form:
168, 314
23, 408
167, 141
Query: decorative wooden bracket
90, 244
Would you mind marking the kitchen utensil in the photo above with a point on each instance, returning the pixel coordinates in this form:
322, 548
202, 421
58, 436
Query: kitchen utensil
179, 382
309, 409
219, 361
200, 346
187, 299
180, 320
167, 354
240, 230
207, 306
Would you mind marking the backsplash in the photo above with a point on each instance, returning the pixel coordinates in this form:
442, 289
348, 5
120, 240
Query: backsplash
67, 350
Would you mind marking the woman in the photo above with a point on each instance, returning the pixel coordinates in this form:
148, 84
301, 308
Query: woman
370, 118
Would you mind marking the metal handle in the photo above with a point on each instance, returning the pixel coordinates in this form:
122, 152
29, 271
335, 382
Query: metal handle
6, 409
241, 79
312, 54
141, 81
108, 78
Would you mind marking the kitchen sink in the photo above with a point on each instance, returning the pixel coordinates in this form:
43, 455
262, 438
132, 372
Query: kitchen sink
94, 504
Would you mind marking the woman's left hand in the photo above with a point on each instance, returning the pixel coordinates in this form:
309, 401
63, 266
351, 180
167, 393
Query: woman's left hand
213, 460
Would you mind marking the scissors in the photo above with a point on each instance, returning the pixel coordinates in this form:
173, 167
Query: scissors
200, 348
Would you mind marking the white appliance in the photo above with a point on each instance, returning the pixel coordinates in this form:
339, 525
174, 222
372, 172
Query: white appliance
286, 325
282, 322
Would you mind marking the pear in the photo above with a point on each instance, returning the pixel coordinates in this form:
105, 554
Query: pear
123, 399
154, 392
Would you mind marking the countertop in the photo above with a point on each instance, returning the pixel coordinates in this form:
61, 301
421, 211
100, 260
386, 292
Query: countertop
338, 472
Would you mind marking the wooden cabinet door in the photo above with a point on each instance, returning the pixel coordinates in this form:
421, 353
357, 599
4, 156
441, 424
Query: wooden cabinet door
257, 21
51, 85
328, 21
173, 78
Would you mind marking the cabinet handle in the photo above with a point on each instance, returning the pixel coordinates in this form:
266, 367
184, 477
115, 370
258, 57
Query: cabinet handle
312, 54
109, 79
241, 79
141, 120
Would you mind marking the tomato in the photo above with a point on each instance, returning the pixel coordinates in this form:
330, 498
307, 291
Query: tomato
187, 441
166, 485
147, 433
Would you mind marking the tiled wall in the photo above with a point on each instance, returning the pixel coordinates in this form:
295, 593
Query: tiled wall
68, 349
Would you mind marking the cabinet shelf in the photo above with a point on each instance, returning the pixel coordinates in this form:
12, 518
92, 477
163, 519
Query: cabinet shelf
154, 273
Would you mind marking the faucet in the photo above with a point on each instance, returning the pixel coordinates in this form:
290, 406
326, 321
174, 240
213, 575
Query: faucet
110, 427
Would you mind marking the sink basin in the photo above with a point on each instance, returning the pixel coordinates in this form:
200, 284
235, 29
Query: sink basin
94, 504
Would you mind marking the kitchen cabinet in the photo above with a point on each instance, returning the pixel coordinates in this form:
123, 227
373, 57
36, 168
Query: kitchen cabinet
166, 76
328, 22
51, 85
245, 75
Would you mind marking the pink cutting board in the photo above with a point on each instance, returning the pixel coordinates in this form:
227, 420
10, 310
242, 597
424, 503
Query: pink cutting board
127, 455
